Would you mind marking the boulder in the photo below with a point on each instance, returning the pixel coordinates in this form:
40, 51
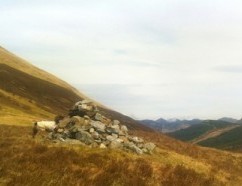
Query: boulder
111, 130
115, 135
98, 117
136, 139
110, 138
84, 137
95, 135
98, 125
131, 146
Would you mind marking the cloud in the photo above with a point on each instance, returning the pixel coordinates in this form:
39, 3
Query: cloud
229, 69
172, 56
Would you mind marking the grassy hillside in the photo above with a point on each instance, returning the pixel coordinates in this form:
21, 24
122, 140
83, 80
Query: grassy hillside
24, 161
28, 93
231, 140
22, 65
195, 131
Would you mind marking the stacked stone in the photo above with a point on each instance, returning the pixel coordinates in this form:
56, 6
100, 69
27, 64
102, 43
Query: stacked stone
87, 125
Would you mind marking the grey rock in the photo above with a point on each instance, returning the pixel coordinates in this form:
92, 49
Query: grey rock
136, 139
111, 130
98, 117
114, 129
110, 138
149, 146
98, 125
95, 135
131, 146
115, 136
98, 141
119, 140
84, 137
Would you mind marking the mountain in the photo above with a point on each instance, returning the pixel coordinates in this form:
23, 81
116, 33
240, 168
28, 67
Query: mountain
229, 140
211, 133
170, 125
230, 120
28, 93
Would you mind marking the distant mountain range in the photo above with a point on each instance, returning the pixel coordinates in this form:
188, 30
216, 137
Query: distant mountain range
174, 124
165, 126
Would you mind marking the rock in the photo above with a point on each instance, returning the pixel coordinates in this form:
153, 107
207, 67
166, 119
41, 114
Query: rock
102, 146
98, 141
110, 138
91, 130
149, 146
98, 125
76, 119
124, 129
95, 135
115, 136
84, 137
124, 139
98, 117
111, 130
60, 130
136, 139
116, 122
119, 140
86, 126
121, 133
133, 147
145, 151
140, 145
115, 144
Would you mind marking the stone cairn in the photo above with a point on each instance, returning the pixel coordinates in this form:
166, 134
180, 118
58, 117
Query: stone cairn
87, 126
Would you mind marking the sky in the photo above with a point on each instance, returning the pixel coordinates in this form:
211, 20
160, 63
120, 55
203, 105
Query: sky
147, 59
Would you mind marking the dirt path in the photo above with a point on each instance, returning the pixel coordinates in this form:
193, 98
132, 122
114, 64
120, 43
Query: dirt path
212, 134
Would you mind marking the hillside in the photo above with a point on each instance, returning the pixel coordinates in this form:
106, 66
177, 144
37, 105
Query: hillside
193, 132
174, 163
217, 134
229, 140
28, 93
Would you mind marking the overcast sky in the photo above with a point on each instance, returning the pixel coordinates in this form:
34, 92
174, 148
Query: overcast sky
146, 58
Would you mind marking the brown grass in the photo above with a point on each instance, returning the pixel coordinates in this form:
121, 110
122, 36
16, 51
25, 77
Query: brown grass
24, 161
